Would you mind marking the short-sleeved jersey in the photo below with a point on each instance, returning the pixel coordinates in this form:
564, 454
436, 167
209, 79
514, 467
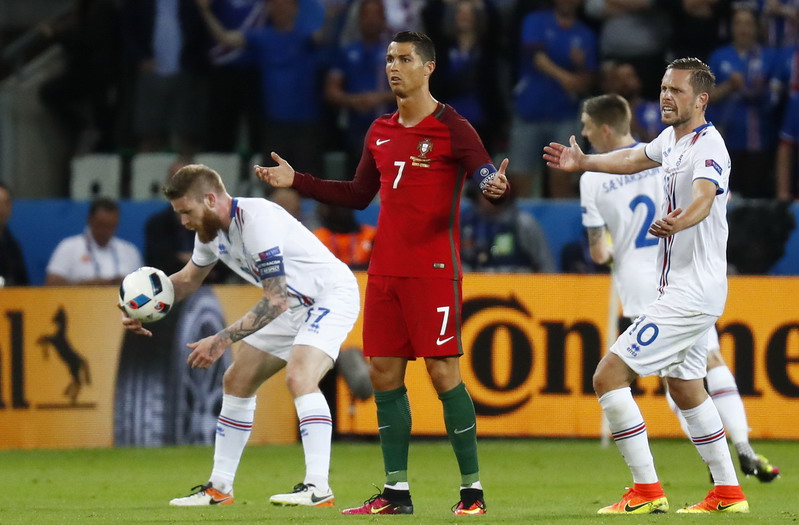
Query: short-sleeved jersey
265, 241
80, 258
421, 179
693, 262
627, 205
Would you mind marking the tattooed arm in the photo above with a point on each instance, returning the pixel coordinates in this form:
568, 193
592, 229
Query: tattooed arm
601, 251
273, 303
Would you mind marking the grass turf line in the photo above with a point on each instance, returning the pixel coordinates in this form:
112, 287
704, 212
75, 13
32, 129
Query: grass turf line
526, 481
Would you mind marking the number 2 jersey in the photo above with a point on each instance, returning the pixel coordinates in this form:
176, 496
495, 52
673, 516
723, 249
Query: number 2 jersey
627, 205
419, 172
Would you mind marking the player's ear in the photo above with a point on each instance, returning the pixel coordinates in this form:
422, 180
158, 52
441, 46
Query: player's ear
429, 67
702, 99
209, 199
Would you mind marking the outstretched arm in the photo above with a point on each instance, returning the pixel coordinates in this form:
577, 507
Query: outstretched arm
357, 193
572, 158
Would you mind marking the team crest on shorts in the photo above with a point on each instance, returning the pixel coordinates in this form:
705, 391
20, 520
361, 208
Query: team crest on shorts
425, 147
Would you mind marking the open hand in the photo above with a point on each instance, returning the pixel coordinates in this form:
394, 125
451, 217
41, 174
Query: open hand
280, 176
564, 158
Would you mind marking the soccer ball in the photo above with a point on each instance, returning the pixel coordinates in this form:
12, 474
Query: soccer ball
146, 294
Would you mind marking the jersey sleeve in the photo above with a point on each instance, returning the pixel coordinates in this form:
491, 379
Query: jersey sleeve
654, 150
712, 163
204, 254
264, 245
588, 206
467, 148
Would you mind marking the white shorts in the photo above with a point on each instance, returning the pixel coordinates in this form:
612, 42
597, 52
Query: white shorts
323, 325
666, 342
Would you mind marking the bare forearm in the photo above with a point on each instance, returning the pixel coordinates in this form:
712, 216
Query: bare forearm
623, 161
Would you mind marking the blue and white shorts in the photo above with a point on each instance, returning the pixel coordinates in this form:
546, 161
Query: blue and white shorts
666, 342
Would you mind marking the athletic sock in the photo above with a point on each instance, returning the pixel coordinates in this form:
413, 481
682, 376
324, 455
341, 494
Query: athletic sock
394, 426
316, 429
723, 390
707, 434
233, 429
629, 432
461, 423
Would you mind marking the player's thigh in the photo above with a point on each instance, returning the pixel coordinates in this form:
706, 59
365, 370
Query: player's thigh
666, 342
432, 312
385, 333
249, 369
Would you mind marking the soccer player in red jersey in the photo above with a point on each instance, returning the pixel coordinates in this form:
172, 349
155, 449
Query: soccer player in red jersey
418, 159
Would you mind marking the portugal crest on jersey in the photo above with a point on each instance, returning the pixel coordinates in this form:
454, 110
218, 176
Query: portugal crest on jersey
425, 147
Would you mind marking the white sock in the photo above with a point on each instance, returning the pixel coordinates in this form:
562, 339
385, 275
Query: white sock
707, 434
677, 412
316, 429
233, 428
476, 485
629, 432
723, 390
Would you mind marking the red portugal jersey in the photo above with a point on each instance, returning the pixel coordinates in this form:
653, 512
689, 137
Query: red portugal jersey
419, 172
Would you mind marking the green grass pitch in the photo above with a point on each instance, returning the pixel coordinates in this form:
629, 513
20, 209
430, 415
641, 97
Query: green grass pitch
526, 481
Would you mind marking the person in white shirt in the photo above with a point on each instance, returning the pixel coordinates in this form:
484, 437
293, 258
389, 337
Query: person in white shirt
669, 338
96, 256
310, 303
623, 206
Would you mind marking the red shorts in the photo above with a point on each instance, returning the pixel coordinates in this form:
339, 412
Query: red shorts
412, 317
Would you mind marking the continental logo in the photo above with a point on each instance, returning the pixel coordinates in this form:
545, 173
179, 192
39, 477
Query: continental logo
513, 355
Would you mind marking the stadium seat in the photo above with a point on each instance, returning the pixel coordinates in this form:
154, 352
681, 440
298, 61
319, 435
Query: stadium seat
95, 175
147, 173
228, 165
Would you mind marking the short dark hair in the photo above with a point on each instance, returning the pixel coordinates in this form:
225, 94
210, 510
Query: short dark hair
421, 42
104, 204
195, 179
702, 78
611, 109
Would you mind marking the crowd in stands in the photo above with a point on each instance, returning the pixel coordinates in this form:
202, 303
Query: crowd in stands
307, 76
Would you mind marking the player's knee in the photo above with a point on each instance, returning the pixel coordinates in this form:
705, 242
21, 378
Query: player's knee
300, 383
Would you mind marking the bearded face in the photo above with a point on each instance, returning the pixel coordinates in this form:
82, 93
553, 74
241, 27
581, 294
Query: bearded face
209, 226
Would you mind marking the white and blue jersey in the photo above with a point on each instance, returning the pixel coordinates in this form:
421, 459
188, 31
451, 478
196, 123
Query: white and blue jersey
627, 205
264, 241
693, 262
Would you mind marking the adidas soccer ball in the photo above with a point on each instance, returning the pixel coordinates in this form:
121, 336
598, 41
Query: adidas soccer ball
146, 294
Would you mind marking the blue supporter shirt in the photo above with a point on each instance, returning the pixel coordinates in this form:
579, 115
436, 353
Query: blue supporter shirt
363, 69
288, 63
790, 130
746, 118
238, 15
540, 96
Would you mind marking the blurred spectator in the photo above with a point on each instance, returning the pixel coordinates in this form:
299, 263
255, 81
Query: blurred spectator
350, 241
744, 104
787, 169
466, 55
635, 32
168, 45
401, 15
234, 85
168, 245
96, 256
501, 237
287, 52
698, 27
780, 22
558, 59
622, 79
12, 264
356, 83
81, 96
